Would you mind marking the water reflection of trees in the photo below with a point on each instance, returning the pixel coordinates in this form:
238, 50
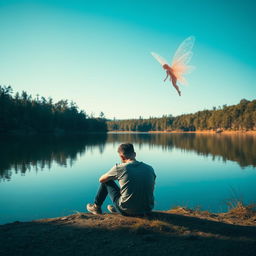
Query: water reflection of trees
239, 148
21, 154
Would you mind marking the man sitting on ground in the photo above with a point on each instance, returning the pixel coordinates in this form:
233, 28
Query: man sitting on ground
136, 180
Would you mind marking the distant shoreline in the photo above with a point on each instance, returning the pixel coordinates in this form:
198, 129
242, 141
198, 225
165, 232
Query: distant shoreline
198, 132
63, 133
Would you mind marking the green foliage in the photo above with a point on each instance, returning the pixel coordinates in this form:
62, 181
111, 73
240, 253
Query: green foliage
237, 117
22, 113
142, 125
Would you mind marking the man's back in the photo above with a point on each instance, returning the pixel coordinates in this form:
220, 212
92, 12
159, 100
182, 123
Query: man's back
136, 181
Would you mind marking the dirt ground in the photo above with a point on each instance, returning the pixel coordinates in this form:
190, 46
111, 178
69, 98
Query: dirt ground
176, 232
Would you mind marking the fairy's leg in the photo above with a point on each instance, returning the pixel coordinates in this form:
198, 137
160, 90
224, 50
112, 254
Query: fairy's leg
174, 83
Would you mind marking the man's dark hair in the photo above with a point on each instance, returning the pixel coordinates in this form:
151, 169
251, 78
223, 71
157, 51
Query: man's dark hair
127, 150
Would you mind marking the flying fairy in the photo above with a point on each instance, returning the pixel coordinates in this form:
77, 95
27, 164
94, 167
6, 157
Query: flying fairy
179, 66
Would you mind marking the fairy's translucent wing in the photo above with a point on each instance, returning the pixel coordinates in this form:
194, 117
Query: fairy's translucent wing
160, 59
185, 47
179, 72
181, 58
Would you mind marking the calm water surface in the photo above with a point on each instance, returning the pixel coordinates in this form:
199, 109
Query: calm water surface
54, 176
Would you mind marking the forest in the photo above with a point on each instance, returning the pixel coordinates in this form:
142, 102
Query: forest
23, 114
240, 117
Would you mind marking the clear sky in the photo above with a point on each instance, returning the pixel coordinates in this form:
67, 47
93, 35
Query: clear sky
97, 53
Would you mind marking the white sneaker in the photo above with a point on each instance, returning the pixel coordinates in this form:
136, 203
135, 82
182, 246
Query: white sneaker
111, 208
94, 209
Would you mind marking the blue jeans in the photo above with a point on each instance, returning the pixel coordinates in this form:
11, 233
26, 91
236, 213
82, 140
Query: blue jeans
108, 188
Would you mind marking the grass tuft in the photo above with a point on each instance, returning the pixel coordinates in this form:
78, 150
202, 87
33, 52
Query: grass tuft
243, 211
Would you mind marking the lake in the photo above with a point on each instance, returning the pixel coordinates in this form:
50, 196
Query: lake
51, 176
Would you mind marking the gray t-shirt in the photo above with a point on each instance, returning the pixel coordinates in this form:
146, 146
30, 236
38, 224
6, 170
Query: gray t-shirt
136, 180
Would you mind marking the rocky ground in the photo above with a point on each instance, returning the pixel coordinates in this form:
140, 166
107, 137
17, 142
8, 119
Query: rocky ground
179, 231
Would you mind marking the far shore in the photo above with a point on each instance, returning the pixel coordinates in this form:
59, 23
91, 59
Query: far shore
199, 132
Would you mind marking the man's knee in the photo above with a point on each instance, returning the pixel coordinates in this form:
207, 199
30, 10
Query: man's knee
110, 182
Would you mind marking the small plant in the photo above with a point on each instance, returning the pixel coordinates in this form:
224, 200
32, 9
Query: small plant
235, 200
237, 207
243, 211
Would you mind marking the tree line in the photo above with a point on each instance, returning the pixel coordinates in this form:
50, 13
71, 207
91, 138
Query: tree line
21, 113
241, 116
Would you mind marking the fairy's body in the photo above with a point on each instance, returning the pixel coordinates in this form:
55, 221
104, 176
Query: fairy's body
173, 78
179, 65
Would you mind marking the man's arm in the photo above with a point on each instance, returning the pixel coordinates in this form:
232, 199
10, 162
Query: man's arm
104, 178
110, 175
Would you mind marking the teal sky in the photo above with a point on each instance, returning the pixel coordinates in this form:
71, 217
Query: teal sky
97, 53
